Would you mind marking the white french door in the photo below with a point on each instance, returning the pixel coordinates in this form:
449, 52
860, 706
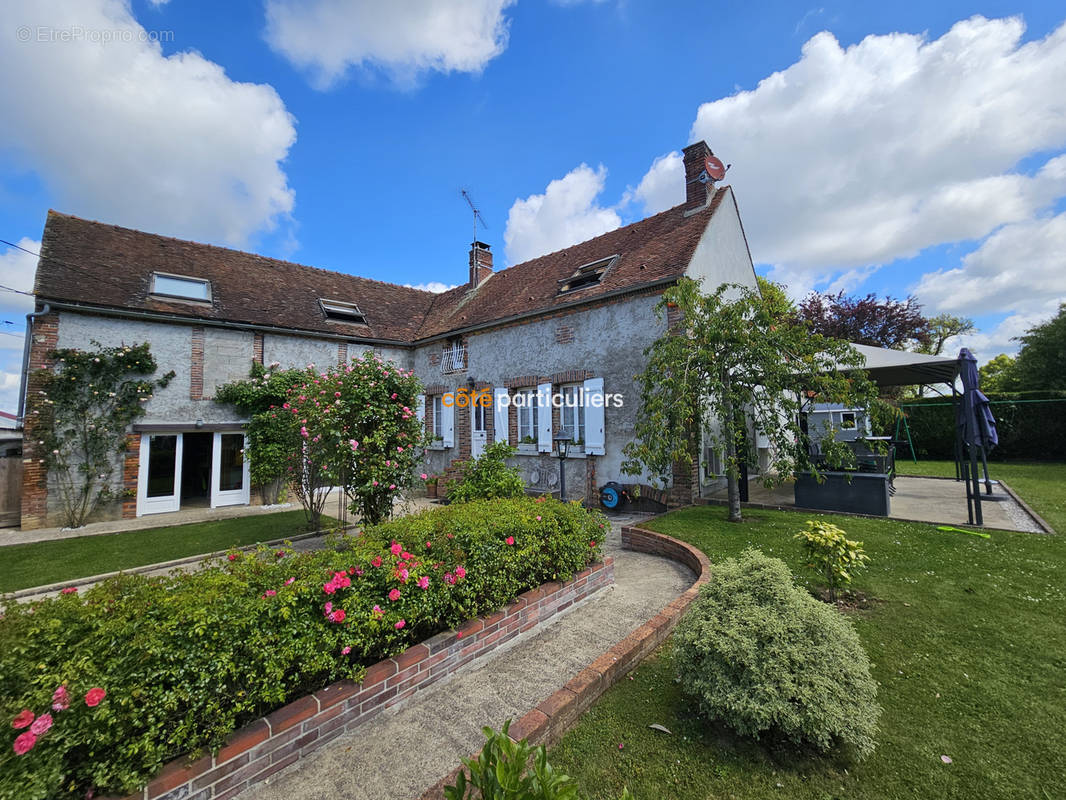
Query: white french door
229, 470
160, 470
159, 474
477, 430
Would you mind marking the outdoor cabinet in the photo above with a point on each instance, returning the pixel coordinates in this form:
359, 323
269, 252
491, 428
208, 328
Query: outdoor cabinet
850, 492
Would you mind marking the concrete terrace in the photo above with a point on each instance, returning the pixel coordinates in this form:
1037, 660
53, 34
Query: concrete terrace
939, 501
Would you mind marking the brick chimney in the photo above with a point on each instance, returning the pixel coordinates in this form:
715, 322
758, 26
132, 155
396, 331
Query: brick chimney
480, 263
697, 194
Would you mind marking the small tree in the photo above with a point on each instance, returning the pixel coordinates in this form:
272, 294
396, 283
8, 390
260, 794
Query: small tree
271, 438
355, 427
85, 406
896, 324
831, 554
730, 359
1041, 363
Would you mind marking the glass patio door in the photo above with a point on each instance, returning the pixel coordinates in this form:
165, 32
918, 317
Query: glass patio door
229, 471
159, 474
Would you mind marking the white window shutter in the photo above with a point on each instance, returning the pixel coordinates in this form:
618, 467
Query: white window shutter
501, 419
544, 420
595, 440
447, 427
420, 407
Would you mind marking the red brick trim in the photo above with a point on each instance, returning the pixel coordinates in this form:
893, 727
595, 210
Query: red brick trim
342, 353
44, 338
268, 745
257, 348
525, 381
548, 721
196, 367
130, 471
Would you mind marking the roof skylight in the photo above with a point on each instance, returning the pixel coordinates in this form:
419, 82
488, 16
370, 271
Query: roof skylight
181, 286
588, 275
342, 312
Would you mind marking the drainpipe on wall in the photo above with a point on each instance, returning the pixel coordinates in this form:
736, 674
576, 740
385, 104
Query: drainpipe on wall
26, 360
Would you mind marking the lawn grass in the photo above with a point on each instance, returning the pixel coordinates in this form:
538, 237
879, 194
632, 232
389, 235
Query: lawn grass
968, 642
1041, 484
40, 563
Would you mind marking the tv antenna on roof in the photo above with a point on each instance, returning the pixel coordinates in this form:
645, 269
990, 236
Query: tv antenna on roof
477, 214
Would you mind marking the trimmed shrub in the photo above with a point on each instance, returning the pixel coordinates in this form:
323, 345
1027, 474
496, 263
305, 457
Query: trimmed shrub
761, 655
488, 476
186, 659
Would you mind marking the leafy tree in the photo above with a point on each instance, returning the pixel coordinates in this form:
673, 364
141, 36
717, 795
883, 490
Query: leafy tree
943, 327
776, 298
85, 406
1041, 363
891, 323
271, 438
732, 359
999, 374
353, 426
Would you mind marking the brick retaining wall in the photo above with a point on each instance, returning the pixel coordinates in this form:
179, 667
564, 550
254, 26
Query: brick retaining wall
268, 745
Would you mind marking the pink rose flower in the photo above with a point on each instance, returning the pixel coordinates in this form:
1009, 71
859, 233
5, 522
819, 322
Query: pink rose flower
538, 517
41, 725
424, 476
423, 582
232, 556
346, 651
449, 579
329, 588
429, 545
290, 581
399, 625
70, 590
94, 696
60, 699
406, 556
269, 593
24, 743
392, 486
509, 540
378, 611
460, 572
338, 615
394, 595
375, 561
23, 719
327, 609
279, 554
396, 548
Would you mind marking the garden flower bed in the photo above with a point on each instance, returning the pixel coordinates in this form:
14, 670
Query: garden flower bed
183, 661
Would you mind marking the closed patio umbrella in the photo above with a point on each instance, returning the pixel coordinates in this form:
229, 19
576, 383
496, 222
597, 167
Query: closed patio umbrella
975, 432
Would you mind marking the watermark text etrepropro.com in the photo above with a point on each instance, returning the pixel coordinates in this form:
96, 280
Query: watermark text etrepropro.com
78, 33
464, 398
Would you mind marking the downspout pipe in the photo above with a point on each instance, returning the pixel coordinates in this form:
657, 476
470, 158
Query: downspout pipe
26, 361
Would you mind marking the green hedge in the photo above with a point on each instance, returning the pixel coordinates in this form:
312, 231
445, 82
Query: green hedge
187, 659
1031, 425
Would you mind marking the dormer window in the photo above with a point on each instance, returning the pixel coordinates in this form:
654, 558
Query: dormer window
586, 276
342, 312
181, 286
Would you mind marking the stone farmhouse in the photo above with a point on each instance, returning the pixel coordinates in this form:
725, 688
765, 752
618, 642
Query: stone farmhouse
573, 323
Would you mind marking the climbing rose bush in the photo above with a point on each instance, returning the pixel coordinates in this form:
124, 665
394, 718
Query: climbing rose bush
153, 667
353, 426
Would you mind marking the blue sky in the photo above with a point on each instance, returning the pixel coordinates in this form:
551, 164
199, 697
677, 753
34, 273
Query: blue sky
889, 148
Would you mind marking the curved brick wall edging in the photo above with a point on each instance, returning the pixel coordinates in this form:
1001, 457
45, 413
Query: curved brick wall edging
265, 747
551, 719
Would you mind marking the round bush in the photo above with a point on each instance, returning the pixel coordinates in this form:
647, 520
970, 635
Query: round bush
762, 656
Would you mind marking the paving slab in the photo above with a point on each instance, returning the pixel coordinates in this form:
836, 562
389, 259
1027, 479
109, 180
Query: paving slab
408, 748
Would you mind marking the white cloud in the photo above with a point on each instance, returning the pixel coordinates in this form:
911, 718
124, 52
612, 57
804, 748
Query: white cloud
567, 213
433, 286
986, 345
121, 133
859, 156
403, 40
9, 394
663, 186
17, 269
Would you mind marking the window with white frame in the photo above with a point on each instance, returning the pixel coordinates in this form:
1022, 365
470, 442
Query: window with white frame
438, 417
572, 413
525, 402
181, 286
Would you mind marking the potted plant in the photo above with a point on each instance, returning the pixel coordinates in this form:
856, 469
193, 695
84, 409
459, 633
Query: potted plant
431, 485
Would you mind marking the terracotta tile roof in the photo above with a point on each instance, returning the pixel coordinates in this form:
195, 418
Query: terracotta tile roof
658, 247
96, 264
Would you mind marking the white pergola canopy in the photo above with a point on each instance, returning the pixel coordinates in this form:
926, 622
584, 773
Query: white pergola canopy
902, 368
